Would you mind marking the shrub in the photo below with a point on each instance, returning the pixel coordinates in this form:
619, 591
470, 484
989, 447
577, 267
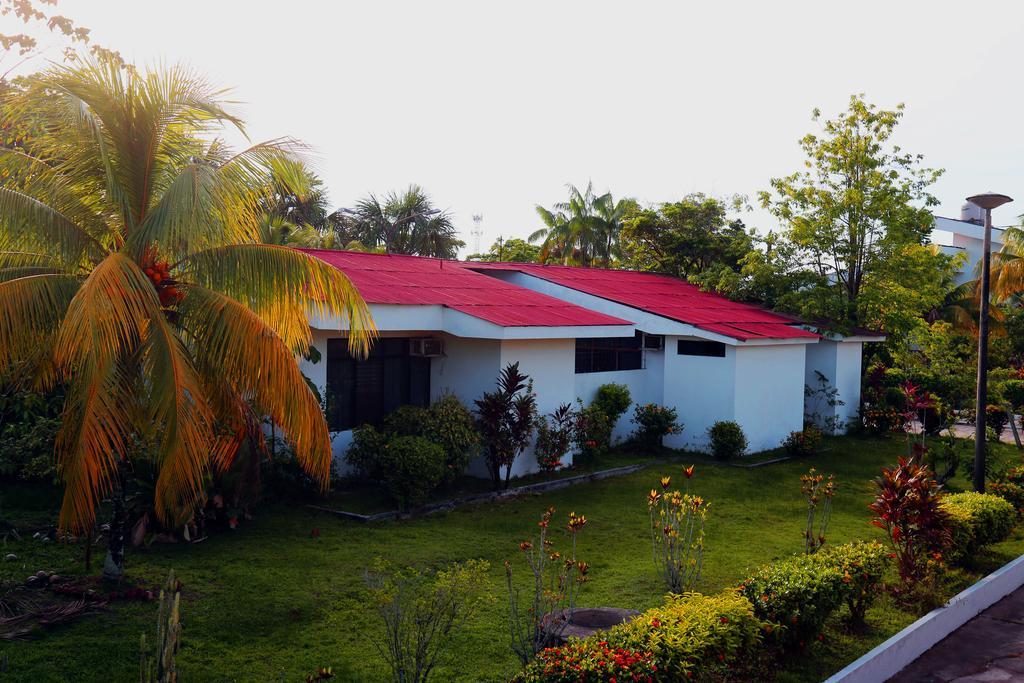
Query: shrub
405, 421
1012, 391
449, 423
367, 443
588, 661
1009, 491
677, 534
421, 610
592, 433
976, 520
863, 566
692, 634
28, 430
727, 440
613, 400
995, 419
654, 423
907, 509
410, 467
796, 596
554, 437
505, 419
556, 582
804, 443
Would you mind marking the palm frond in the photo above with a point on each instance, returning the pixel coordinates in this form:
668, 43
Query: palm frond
31, 310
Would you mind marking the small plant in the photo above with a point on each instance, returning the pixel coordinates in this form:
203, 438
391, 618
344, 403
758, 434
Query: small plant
557, 581
907, 507
588, 661
944, 458
823, 399
160, 666
421, 610
449, 423
613, 400
804, 443
505, 418
818, 491
653, 423
554, 437
863, 566
411, 467
677, 534
727, 440
592, 433
367, 443
1009, 485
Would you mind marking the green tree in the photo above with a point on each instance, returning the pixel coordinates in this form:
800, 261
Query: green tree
405, 223
513, 250
584, 230
855, 215
132, 273
686, 238
38, 15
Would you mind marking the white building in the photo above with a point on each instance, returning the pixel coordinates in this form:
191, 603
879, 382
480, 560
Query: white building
966, 236
448, 326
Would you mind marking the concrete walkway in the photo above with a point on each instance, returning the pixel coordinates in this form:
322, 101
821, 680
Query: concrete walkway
986, 649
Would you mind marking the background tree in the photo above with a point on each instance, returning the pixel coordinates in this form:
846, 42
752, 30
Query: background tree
584, 230
37, 14
297, 212
513, 250
1008, 266
686, 238
405, 223
857, 214
131, 272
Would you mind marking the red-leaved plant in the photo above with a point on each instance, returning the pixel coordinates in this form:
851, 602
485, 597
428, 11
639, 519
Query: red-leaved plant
907, 508
505, 418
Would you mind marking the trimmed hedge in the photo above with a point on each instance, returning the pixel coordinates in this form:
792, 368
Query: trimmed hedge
976, 520
797, 595
691, 635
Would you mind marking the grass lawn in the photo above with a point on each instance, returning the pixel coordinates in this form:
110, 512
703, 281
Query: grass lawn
269, 602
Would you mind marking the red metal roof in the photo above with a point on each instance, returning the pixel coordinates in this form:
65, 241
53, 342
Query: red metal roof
666, 296
414, 280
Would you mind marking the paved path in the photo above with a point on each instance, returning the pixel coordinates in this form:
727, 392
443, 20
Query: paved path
987, 649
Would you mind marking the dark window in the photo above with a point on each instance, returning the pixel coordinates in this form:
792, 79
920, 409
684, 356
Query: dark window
364, 391
607, 354
688, 347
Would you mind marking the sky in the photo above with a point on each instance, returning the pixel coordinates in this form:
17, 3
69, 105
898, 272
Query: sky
494, 107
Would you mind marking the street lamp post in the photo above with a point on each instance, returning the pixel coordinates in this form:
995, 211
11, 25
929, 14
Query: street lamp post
987, 201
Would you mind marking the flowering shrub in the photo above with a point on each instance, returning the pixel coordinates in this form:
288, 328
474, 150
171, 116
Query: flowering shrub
976, 520
804, 443
654, 423
557, 580
677, 534
796, 596
727, 440
863, 566
554, 437
1009, 485
589, 661
593, 432
907, 508
818, 490
692, 635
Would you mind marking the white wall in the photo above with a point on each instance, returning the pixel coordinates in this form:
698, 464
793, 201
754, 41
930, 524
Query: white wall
701, 389
769, 393
840, 362
645, 386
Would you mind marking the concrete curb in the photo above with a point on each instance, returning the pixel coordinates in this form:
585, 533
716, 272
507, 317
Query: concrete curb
899, 651
540, 487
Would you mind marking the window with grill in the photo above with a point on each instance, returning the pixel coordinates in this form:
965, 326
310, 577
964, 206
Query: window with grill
364, 391
608, 354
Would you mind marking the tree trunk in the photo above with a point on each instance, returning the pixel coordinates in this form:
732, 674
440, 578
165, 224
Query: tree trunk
113, 565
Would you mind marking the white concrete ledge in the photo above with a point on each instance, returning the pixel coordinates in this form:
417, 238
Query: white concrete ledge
895, 654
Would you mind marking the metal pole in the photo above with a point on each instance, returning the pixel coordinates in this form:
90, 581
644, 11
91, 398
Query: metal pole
982, 396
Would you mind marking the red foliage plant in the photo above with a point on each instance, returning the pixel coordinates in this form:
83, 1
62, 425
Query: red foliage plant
907, 508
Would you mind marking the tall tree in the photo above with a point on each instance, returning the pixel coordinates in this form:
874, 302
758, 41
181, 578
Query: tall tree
1008, 266
131, 271
686, 238
405, 223
513, 250
583, 230
856, 209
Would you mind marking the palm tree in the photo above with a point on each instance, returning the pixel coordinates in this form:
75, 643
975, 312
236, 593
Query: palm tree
1008, 266
405, 223
131, 272
583, 230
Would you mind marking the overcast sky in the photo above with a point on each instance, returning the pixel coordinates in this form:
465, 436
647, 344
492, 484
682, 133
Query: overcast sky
494, 107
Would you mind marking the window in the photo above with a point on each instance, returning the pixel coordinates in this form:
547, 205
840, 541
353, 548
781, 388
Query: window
364, 391
689, 347
607, 354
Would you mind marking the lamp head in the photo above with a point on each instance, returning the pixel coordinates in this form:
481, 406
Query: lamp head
989, 200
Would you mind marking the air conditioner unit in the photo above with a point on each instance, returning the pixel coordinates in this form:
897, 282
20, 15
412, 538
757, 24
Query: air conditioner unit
654, 342
426, 347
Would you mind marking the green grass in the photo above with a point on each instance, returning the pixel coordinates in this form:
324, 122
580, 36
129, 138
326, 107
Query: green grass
269, 601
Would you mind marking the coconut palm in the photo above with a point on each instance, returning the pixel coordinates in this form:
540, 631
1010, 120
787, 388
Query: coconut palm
1008, 266
131, 272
